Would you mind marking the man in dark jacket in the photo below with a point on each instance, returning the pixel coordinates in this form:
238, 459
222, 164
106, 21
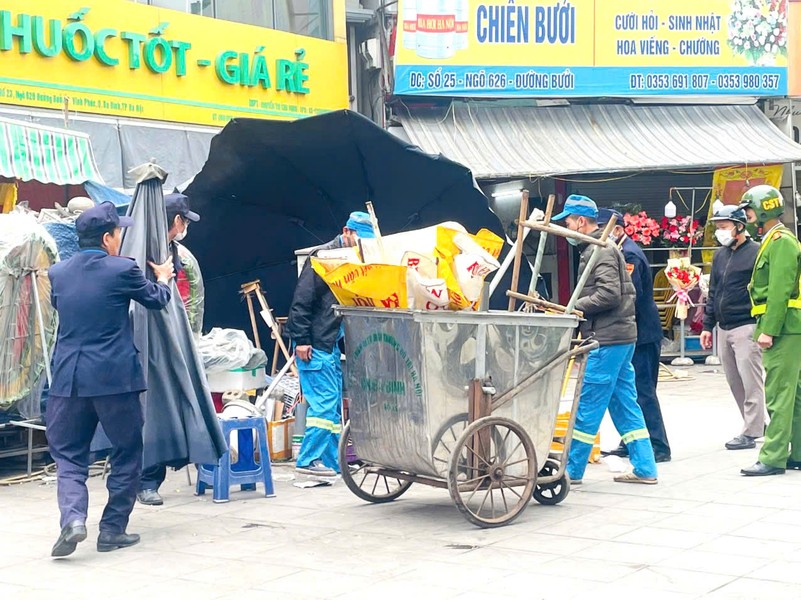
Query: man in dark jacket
729, 307
315, 332
607, 302
97, 375
649, 337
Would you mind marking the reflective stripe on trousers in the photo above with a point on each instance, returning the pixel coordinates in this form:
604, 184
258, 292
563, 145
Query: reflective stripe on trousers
609, 383
321, 382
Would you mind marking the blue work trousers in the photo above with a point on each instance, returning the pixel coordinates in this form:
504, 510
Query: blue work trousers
609, 383
321, 382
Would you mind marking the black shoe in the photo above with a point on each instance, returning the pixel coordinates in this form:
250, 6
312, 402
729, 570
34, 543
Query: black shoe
760, 470
794, 465
620, 451
661, 457
71, 535
106, 542
150, 498
741, 442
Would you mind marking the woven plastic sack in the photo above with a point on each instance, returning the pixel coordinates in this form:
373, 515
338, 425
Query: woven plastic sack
382, 286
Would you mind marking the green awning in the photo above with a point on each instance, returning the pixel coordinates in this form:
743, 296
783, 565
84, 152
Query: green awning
33, 152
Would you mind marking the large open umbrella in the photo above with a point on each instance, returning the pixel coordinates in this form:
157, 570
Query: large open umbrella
180, 422
271, 187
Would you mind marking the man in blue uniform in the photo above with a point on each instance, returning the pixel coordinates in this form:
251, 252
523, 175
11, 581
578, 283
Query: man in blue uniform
649, 337
316, 330
97, 375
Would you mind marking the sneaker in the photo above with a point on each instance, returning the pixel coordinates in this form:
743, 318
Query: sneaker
317, 468
632, 478
741, 442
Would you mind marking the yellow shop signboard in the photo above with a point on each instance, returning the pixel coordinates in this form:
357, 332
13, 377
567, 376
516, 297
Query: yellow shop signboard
120, 58
575, 48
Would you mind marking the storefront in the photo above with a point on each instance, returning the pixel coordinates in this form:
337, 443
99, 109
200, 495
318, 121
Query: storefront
618, 100
148, 82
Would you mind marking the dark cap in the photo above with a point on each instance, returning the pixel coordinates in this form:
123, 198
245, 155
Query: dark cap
178, 204
605, 215
100, 218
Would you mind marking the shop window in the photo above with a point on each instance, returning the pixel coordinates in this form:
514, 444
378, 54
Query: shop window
252, 12
202, 7
306, 17
173, 4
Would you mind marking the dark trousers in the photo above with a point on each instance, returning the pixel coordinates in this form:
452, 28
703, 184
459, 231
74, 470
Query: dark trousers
153, 477
71, 423
646, 369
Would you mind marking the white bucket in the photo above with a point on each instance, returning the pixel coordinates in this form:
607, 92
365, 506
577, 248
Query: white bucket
462, 23
410, 24
436, 28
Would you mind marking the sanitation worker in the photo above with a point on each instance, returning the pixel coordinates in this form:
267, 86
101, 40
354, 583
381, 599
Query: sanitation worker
315, 332
607, 302
777, 308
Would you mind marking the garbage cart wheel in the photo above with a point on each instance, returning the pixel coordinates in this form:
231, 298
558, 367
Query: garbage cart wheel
493, 471
552, 493
445, 442
363, 482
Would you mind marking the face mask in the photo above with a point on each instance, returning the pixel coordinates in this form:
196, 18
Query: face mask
614, 238
724, 237
182, 235
572, 241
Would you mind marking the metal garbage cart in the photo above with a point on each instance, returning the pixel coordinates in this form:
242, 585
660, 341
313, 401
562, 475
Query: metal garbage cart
466, 401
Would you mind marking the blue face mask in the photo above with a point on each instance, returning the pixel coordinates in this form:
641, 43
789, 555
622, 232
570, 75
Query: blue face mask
572, 241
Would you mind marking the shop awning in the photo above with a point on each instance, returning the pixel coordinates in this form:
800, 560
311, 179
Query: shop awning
502, 142
33, 152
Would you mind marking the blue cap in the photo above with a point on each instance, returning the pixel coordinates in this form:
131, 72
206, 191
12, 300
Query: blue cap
605, 215
178, 204
360, 223
100, 218
580, 206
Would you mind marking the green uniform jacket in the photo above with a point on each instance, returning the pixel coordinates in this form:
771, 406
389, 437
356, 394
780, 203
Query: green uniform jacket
775, 283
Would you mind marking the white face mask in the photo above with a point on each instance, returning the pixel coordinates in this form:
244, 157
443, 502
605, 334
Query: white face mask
724, 237
179, 237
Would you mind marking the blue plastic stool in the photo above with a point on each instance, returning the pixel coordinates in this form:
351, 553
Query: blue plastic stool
246, 472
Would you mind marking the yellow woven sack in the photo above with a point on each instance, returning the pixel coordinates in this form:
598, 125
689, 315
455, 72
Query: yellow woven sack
381, 286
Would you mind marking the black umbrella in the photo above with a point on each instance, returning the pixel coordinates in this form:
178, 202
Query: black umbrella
271, 187
180, 422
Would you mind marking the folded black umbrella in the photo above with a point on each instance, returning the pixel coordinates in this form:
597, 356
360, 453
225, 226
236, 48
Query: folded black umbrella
181, 425
271, 187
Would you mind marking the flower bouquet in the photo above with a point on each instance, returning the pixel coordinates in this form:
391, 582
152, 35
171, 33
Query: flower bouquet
683, 277
758, 30
678, 232
641, 228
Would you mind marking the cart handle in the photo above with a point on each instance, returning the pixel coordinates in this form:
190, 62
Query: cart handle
542, 303
585, 348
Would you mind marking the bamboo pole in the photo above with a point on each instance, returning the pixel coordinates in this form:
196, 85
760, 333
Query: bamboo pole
519, 247
543, 303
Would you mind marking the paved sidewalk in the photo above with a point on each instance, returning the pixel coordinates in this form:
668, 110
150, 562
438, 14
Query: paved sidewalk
704, 531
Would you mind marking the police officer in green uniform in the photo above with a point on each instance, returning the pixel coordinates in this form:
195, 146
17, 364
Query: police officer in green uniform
776, 304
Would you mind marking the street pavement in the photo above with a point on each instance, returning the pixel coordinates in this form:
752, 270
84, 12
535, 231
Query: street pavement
703, 532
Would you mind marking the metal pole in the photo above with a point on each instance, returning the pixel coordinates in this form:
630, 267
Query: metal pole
541, 247
42, 335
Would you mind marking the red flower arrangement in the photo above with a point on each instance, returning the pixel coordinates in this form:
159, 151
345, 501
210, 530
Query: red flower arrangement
641, 228
683, 277
679, 231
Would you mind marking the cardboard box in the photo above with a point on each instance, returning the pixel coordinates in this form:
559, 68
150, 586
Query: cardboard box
279, 438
